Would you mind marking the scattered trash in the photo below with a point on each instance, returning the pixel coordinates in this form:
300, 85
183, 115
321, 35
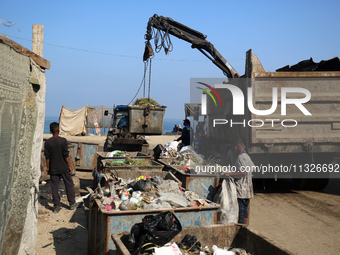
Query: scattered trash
114, 153
168, 249
145, 193
219, 251
190, 244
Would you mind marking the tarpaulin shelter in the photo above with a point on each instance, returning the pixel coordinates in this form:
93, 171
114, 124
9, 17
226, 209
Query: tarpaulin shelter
73, 122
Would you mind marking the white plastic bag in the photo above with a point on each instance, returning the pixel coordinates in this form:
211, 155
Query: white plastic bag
171, 145
219, 251
227, 198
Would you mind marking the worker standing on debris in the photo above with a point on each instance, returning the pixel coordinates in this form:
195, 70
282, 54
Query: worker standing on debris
185, 137
59, 166
243, 180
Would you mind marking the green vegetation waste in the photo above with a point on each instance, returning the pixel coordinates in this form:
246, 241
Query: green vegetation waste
131, 162
145, 102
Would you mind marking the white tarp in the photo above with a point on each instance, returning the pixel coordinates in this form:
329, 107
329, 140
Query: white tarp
73, 122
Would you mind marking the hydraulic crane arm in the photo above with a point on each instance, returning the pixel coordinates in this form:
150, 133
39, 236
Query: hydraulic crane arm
197, 40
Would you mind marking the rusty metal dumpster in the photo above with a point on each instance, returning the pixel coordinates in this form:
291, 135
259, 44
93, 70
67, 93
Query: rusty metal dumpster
146, 120
105, 167
102, 157
86, 155
235, 236
103, 224
204, 185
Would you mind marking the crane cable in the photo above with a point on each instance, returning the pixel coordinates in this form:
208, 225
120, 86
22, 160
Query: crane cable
161, 38
145, 67
143, 81
149, 89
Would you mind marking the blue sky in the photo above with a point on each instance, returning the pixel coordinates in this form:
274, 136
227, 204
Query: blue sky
279, 32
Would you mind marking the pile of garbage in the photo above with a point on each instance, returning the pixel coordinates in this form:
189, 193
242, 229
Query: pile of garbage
145, 193
155, 233
185, 157
145, 102
190, 245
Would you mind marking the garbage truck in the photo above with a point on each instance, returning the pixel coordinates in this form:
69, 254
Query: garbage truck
298, 139
288, 118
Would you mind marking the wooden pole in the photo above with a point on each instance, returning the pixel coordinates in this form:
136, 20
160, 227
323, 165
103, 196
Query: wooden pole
38, 39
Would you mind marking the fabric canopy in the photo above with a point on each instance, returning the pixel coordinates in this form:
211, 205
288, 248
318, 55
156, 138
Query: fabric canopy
73, 122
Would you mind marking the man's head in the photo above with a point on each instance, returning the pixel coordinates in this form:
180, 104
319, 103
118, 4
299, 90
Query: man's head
239, 146
54, 127
186, 122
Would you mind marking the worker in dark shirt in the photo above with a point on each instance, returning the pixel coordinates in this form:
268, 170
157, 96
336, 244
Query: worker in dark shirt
59, 167
185, 137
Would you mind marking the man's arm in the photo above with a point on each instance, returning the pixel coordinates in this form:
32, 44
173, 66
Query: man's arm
66, 156
235, 174
47, 156
181, 137
69, 164
238, 172
47, 166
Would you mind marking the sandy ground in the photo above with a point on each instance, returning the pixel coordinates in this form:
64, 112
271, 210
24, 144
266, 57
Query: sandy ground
303, 222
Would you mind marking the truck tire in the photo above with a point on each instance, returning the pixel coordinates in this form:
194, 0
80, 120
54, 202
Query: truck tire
320, 184
303, 184
311, 184
108, 146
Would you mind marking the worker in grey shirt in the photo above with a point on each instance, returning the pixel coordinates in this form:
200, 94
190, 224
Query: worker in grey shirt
243, 180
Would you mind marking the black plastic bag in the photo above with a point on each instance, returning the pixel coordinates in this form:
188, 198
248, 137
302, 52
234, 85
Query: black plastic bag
157, 229
157, 151
143, 185
190, 244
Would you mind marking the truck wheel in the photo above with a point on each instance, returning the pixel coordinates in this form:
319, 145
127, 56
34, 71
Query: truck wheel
320, 184
311, 184
304, 183
108, 146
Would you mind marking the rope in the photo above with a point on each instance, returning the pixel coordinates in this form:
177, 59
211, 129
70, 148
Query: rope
145, 68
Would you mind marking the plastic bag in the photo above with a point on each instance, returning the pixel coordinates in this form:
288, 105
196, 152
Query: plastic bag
157, 151
143, 185
157, 229
219, 251
190, 244
227, 198
171, 145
